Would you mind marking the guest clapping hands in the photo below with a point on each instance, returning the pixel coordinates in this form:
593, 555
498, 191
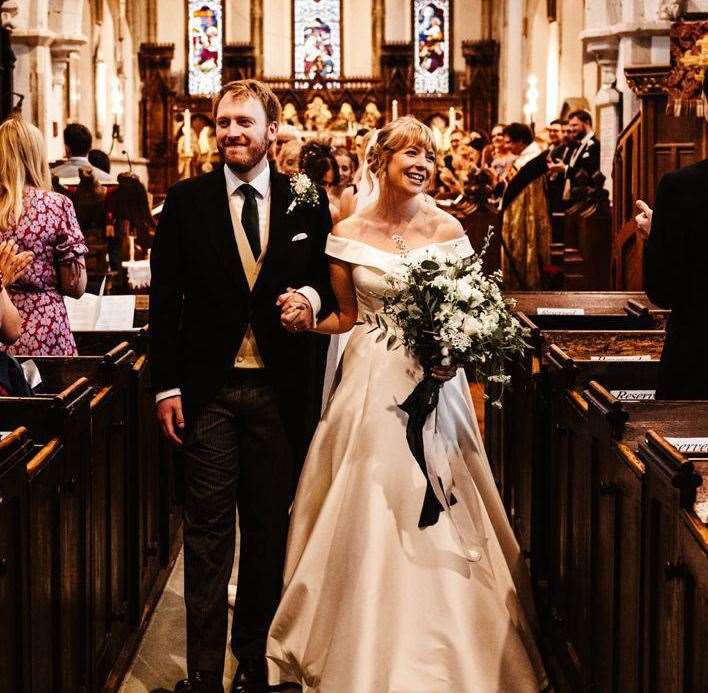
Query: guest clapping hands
13, 265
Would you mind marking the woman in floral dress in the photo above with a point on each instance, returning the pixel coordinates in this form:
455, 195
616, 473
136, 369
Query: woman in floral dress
44, 223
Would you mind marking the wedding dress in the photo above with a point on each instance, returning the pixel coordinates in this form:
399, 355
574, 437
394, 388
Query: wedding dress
372, 603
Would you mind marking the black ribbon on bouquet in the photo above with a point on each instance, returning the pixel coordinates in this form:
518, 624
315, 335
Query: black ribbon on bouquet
419, 405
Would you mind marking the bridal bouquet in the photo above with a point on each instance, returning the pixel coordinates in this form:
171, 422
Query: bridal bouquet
446, 311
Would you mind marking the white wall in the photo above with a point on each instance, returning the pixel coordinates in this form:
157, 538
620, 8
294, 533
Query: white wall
277, 38
237, 14
397, 23
357, 45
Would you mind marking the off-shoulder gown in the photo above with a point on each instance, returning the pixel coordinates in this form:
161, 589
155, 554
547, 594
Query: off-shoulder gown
372, 603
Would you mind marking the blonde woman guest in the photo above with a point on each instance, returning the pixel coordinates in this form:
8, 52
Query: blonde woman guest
12, 266
42, 222
371, 602
289, 157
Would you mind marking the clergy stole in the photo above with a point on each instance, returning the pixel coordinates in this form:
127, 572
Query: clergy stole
248, 355
526, 227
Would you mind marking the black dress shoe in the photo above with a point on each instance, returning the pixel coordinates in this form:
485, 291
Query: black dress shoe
250, 677
201, 682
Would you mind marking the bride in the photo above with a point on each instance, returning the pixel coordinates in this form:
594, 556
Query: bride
372, 603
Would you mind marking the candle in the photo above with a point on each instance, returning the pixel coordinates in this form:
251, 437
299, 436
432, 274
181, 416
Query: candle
187, 132
131, 245
452, 118
394, 109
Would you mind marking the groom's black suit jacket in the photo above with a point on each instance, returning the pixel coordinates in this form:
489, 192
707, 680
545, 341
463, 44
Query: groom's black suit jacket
201, 305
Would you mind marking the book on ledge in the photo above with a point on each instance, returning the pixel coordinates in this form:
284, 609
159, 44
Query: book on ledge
101, 313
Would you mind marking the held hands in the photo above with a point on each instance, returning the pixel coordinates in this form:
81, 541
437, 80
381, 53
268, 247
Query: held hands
13, 264
296, 312
643, 219
444, 373
171, 419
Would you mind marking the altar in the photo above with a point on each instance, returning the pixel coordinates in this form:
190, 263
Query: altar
319, 98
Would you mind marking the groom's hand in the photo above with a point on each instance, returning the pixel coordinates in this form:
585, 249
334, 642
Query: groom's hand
296, 312
171, 419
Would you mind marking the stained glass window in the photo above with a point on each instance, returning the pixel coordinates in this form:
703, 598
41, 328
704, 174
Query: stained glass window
317, 36
206, 46
432, 47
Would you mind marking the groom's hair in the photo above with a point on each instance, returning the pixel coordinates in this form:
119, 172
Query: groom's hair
243, 89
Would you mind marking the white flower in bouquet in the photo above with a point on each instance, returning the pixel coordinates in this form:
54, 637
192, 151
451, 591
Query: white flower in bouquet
446, 311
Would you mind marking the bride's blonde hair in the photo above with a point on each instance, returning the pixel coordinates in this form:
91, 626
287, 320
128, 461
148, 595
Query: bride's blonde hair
23, 162
395, 136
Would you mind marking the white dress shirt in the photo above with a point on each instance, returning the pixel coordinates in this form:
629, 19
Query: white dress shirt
261, 183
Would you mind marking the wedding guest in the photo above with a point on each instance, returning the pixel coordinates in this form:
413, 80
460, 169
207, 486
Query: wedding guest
584, 161
674, 277
526, 228
13, 265
99, 159
497, 155
130, 215
77, 144
347, 167
44, 223
317, 162
288, 160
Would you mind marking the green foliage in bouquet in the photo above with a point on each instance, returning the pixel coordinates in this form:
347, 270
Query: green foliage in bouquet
447, 311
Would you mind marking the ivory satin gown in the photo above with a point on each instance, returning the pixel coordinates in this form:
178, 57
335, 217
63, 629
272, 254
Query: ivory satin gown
372, 603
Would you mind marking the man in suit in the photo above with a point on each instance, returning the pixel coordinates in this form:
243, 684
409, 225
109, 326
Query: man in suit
675, 256
77, 144
585, 155
238, 392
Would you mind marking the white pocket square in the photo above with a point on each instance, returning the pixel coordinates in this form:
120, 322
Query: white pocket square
299, 237
584, 156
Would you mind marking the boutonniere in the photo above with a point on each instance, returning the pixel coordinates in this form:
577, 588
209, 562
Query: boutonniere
304, 192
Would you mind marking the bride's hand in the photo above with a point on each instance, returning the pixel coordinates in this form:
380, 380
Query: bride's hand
444, 373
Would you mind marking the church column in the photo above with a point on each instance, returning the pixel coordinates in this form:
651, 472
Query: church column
378, 15
257, 34
62, 53
608, 102
156, 116
512, 62
397, 75
8, 10
482, 80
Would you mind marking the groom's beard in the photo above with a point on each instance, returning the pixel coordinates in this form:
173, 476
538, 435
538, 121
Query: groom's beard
245, 157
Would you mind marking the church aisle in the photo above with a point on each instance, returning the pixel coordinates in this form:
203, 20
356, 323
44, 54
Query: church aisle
161, 659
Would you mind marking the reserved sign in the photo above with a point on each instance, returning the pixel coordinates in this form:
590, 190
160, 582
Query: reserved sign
689, 445
634, 395
634, 357
560, 311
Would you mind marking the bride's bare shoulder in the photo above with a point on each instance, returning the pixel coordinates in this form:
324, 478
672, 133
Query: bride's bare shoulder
351, 227
446, 227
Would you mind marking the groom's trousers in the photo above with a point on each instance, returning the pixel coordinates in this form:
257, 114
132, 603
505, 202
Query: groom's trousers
236, 455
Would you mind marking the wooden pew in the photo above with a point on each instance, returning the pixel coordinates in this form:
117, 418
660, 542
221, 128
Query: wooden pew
16, 449
518, 435
605, 644
156, 497
107, 493
563, 499
57, 521
601, 311
674, 564
693, 558
103, 497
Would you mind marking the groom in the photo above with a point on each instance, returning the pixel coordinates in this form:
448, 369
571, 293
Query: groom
238, 392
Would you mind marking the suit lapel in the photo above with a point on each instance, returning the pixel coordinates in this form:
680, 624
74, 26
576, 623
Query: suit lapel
221, 231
